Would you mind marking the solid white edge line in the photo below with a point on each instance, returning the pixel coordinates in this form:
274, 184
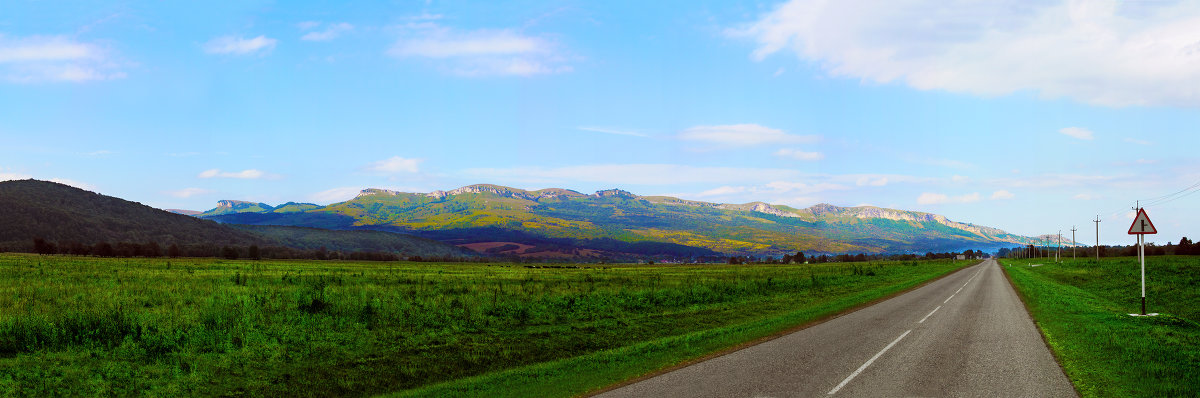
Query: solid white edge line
865, 365
930, 313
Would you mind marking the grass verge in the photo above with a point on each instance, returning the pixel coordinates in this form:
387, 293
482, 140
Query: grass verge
1082, 308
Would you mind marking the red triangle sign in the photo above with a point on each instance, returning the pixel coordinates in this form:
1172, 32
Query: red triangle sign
1142, 225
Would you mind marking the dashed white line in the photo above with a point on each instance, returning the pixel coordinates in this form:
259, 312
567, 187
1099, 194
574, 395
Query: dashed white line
948, 298
930, 313
865, 365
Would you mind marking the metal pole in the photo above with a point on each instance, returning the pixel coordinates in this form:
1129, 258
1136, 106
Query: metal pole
1058, 250
1142, 255
1097, 221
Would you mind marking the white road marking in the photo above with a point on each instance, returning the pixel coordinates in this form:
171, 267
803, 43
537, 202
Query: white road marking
930, 313
865, 365
948, 298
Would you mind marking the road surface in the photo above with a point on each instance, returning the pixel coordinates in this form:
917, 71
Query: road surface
964, 335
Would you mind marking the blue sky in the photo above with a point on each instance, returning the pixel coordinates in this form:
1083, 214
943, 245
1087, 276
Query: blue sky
1027, 117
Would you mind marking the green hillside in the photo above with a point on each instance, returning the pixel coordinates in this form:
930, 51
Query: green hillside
62, 214
752, 229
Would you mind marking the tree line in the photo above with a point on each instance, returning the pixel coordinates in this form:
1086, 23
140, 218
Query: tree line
231, 252
1185, 247
800, 258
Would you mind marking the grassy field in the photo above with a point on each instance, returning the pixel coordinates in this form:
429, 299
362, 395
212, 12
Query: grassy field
93, 326
1082, 308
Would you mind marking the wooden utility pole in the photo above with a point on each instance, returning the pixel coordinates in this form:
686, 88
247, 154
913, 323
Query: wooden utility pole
1072, 242
1097, 221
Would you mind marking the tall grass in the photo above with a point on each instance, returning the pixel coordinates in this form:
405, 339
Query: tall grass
92, 326
1082, 308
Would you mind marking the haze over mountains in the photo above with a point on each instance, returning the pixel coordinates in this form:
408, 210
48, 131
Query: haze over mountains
565, 222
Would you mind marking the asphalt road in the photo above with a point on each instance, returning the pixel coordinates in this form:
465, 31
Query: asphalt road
964, 335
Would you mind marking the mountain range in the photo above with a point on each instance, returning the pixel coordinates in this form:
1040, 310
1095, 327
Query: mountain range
62, 214
555, 221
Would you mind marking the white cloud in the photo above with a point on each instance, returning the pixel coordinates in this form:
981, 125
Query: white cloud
188, 192
743, 135
394, 165
306, 25
799, 154
928, 198
606, 130
1105, 52
634, 174
484, 52
1137, 141
14, 176
1077, 132
871, 181
1146, 161
957, 179
937, 162
331, 32
36, 59
719, 191
1002, 194
76, 184
248, 174
239, 45
335, 195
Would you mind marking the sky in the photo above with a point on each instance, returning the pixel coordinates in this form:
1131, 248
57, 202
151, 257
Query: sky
1032, 117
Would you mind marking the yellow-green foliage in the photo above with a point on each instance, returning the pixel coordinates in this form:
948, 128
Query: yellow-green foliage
93, 326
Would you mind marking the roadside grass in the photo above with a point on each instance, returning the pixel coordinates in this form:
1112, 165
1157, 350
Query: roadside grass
82, 326
1082, 309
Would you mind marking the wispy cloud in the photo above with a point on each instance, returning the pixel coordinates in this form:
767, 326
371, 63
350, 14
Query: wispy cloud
607, 130
74, 183
239, 45
188, 192
634, 174
1137, 141
248, 174
743, 135
332, 31
36, 59
395, 165
335, 195
1002, 195
929, 198
721, 191
1077, 132
7, 176
484, 52
1099, 52
799, 154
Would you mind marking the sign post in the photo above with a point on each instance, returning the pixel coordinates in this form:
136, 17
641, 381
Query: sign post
1142, 227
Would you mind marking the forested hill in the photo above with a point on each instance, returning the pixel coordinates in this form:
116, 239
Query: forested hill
71, 217
60, 213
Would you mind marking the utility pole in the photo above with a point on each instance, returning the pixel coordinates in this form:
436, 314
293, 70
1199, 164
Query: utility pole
1097, 221
1058, 250
1073, 242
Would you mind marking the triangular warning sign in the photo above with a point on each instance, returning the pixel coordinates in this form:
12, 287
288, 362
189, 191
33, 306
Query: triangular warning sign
1142, 225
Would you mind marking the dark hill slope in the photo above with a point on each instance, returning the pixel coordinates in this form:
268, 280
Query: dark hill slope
60, 213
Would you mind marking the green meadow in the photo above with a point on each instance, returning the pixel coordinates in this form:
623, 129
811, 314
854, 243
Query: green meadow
84, 326
1082, 308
